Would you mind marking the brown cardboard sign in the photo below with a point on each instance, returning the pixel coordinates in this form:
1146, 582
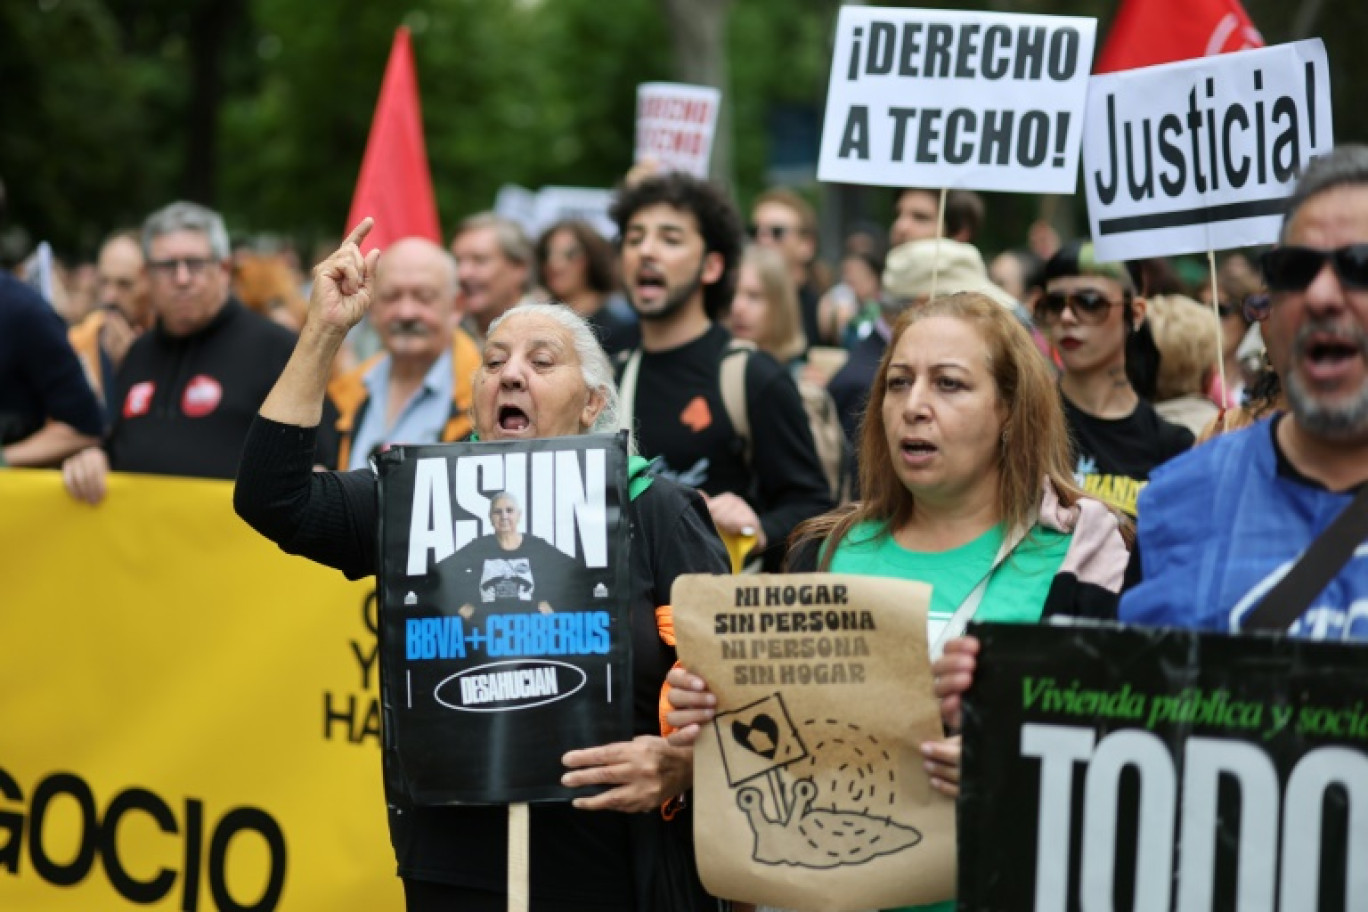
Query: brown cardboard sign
809, 788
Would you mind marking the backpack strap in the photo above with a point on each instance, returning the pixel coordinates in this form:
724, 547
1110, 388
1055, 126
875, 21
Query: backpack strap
627, 393
731, 378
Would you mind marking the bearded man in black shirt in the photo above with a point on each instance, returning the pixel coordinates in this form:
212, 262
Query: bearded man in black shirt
680, 241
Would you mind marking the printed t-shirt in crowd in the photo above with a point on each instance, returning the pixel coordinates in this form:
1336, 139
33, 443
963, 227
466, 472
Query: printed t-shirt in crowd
682, 422
1221, 525
490, 578
1016, 591
1113, 457
586, 857
40, 376
185, 402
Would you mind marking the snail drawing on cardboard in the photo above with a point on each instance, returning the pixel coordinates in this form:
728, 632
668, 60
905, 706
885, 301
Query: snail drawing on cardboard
810, 807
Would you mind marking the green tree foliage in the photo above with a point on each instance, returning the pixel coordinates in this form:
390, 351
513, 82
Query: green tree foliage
261, 107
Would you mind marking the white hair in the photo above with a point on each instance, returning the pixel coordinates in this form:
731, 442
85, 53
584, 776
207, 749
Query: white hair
595, 367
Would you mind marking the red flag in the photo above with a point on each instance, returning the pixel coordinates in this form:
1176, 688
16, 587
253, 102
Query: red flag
1147, 32
395, 185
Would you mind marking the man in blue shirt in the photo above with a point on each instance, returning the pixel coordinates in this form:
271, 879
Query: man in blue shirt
1224, 523
418, 390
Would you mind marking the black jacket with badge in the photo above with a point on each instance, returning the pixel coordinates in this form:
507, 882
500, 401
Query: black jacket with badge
184, 403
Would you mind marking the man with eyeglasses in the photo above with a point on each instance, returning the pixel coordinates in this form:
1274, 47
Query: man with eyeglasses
189, 388
1089, 312
1221, 527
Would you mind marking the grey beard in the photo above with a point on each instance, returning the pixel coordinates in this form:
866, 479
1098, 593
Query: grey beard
1347, 417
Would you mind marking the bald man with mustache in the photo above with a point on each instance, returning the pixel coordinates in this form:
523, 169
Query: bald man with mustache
418, 389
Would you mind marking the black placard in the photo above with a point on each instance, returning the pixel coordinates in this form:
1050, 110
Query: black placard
1126, 768
497, 656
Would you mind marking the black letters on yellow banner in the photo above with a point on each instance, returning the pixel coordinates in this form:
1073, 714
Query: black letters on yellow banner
100, 840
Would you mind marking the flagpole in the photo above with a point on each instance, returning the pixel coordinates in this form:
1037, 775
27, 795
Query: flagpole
940, 232
1216, 314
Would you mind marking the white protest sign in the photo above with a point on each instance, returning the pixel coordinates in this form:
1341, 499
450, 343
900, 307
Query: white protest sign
1202, 154
587, 204
517, 204
675, 124
934, 98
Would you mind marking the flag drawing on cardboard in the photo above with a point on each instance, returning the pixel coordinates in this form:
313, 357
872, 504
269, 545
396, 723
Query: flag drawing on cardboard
504, 630
757, 739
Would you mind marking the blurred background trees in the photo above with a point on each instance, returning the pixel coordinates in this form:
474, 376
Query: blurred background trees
110, 108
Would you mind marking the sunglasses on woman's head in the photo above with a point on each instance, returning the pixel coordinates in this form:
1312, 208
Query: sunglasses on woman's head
1089, 306
1294, 268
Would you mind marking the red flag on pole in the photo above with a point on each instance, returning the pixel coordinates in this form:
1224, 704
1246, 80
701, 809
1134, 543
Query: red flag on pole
1147, 32
395, 185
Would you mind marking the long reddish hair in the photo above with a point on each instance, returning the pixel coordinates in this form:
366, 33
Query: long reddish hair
1035, 438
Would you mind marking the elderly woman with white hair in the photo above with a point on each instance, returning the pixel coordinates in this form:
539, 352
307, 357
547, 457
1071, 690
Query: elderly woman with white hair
543, 375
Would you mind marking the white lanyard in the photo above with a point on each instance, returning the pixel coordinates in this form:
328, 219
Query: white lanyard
967, 608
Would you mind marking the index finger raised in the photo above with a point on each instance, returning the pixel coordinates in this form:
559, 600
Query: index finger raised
359, 233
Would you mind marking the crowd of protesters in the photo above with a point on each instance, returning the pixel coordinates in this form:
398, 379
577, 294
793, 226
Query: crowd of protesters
962, 378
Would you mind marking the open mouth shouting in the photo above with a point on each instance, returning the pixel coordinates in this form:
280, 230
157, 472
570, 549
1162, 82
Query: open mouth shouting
1329, 358
512, 420
917, 452
650, 285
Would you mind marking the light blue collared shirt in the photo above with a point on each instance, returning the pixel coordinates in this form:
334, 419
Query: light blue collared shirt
421, 420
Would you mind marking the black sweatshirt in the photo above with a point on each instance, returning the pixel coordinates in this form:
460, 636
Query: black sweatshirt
183, 404
680, 419
577, 856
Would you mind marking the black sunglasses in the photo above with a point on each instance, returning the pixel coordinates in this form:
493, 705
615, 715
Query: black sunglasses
1089, 307
1294, 268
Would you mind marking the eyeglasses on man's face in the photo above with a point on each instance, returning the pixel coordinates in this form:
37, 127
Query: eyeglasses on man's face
169, 269
771, 232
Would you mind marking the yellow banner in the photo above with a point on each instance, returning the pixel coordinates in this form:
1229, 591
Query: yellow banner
188, 717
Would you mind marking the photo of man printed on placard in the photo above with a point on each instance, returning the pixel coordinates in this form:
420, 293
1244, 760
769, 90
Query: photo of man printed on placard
500, 572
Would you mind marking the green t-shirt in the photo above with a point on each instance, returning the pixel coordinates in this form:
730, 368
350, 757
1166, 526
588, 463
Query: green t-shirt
1016, 591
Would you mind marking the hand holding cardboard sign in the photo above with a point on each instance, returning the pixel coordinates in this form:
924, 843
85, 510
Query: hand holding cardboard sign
943, 765
953, 674
693, 706
646, 772
344, 283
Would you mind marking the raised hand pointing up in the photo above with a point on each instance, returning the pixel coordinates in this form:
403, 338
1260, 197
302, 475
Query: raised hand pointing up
344, 283
343, 287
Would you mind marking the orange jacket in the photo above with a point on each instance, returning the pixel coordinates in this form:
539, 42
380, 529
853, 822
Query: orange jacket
85, 339
351, 398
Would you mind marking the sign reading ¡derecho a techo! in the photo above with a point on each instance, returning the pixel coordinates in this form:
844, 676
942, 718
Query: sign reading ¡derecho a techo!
933, 98
1202, 154
503, 614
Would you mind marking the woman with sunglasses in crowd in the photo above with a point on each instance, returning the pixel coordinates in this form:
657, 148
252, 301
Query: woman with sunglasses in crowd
1089, 312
